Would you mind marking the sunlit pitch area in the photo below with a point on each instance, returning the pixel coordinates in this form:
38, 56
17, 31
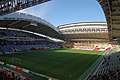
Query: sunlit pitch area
63, 64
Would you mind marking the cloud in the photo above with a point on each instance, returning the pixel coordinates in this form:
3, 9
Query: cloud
38, 10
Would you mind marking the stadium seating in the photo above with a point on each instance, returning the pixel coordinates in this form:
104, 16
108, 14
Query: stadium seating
12, 41
15, 41
90, 45
109, 69
7, 74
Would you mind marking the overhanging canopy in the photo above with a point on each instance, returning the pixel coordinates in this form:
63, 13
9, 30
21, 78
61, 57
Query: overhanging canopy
30, 23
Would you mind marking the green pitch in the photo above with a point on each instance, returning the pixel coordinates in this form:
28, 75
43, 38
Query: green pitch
63, 64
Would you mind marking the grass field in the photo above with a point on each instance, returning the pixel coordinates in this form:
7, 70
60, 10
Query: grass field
63, 64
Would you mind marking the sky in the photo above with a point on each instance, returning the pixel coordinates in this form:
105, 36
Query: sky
59, 12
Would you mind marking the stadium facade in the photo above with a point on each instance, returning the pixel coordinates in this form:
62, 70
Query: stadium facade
111, 10
82, 35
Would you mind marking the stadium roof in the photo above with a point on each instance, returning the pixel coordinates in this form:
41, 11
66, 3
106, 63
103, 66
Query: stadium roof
81, 24
30, 23
84, 31
9, 6
111, 10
